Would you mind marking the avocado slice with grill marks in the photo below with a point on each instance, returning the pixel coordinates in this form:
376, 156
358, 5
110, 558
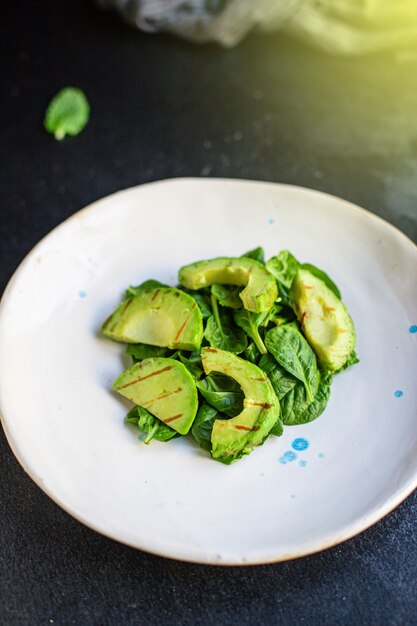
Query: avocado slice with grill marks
165, 317
231, 438
260, 287
324, 320
165, 388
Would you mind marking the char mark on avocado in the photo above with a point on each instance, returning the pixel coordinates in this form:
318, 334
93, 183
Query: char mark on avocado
163, 395
171, 419
155, 295
181, 328
128, 303
264, 405
138, 380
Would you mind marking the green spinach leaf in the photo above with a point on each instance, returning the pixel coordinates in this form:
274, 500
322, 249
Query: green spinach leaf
271, 315
250, 323
283, 267
148, 285
195, 357
318, 273
203, 425
296, 409
278, 429
139, 351
285, 316
222, 333
281, 380
223, 393
195, 371
316, 408
228, 295
257, 254
252, 353
149, 424
288, 346
67, 113
294, 404
203, 301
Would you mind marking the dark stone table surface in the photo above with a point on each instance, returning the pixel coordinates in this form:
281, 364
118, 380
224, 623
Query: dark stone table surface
270, 109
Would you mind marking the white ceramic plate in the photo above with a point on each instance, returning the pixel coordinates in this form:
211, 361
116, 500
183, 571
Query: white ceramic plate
65, 425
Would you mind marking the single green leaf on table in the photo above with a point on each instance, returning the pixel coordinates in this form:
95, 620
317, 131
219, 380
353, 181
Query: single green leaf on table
222, 333
67, 113
289, 347
203, 425
223, 393
149, 424
140, 351
250, 323
318, 273
257, 254
228, 295
148, 285
283, 267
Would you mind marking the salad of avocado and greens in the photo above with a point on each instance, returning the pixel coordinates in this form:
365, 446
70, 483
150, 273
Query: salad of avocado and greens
240, 348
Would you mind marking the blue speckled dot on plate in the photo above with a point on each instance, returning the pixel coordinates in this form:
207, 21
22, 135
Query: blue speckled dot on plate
302, 463
398, 393
287, 457
82, 293
413, 329
300, 444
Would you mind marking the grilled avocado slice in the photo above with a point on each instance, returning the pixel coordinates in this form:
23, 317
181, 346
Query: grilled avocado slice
165, 388
239, 435
260, 287
165, 317
324, 320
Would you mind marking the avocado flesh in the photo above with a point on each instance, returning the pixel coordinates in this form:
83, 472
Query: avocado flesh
324, 320
260, 288
165, 388
165, 317
231, 438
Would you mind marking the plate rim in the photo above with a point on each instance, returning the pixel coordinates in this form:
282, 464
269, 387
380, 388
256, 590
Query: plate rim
196, 555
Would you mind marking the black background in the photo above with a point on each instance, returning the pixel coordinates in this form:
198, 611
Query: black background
270, 109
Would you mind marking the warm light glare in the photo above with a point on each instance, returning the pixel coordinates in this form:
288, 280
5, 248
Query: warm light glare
356, 26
